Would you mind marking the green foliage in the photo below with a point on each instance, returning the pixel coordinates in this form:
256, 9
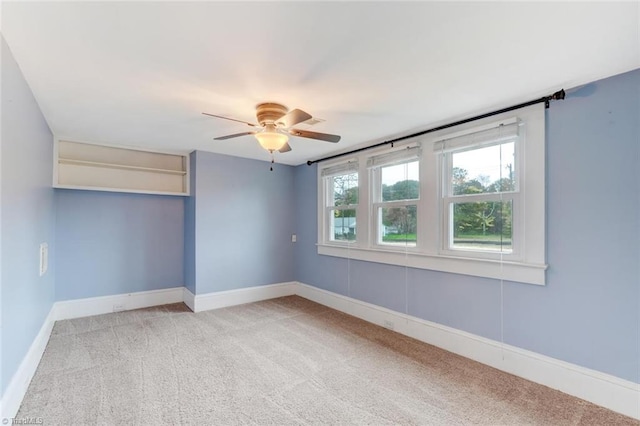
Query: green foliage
476, 220
481, 218
399, 238
402, 220
348, 197
345, 191
401, 190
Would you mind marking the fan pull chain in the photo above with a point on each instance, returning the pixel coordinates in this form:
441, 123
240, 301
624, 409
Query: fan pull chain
272, 161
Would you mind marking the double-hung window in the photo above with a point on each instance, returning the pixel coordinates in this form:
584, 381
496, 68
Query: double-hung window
466, 200
481, 193
396, 196
341, 201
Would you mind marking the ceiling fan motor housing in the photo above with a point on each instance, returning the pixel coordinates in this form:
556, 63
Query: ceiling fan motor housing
270, 112
276, 122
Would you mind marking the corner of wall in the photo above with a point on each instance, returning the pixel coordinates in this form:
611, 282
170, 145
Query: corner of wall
27, 216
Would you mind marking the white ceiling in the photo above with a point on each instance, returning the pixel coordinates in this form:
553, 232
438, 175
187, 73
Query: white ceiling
140, 74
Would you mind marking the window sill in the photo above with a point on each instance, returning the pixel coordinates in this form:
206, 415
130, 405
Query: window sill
488, 268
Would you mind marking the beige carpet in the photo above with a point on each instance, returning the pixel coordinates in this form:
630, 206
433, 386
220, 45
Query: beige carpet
284, 361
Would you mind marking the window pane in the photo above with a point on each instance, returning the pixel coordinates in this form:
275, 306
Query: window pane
401, 182
399, 225
488, 169
343, 225
482, 226
345, 189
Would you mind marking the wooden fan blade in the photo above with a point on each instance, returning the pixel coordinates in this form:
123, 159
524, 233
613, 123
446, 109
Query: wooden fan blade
285, 148
293, 117
221, 138
232, 119
315, 135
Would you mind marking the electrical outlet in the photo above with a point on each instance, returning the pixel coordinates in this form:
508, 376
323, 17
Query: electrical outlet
388, 324
294, 238
119, 307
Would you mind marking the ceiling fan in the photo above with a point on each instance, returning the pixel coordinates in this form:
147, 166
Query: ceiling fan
276, 123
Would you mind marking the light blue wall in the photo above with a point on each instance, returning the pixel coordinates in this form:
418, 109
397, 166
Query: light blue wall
244, 218
113, 243
593, 249
589, 311
238, 235
27, 217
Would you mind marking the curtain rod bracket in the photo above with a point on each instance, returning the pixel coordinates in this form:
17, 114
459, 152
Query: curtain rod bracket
559, 95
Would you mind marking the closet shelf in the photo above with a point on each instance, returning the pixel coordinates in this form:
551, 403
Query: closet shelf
95, 167
120, 166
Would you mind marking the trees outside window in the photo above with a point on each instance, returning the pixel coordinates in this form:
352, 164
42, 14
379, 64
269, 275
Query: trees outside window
398, 190
466, 200
479, 195
343, 205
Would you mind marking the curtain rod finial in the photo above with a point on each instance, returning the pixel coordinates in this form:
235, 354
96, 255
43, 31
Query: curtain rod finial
559, 95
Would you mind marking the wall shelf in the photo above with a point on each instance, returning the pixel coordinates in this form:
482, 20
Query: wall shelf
119, 166
105, 168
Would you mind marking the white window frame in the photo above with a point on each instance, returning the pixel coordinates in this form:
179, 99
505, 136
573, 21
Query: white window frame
527, 262
406, 155
327, 199
448, 199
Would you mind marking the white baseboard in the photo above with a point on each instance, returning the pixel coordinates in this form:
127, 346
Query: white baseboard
15, 391
119, 302
602, 389
222, 299
189, 299
13, 395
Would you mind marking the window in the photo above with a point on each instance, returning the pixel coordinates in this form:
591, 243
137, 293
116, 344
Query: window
341, 196
480, 192
467, 200
396, 193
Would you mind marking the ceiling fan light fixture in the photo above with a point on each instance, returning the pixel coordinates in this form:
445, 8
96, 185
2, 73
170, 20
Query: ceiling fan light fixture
270, 139
275, 126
